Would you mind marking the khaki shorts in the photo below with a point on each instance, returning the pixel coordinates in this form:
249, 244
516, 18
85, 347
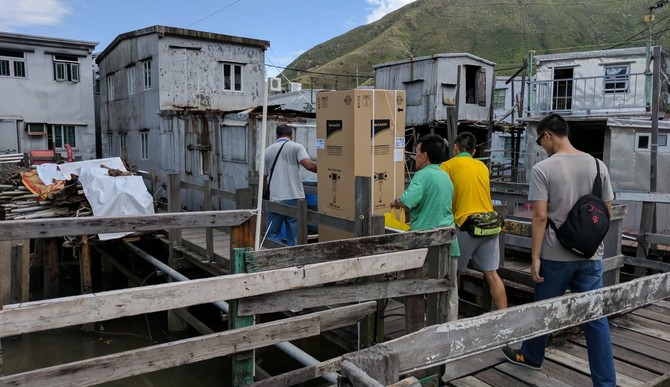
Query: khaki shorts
484, 251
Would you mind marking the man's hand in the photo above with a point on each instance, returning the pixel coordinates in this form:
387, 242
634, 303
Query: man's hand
397, 203
535, 271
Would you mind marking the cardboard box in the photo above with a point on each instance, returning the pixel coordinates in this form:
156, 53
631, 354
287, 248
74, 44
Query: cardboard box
359, 133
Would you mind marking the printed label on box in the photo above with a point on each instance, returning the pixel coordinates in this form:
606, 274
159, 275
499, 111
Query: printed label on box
320, 143
400, 142
398, 155
333, 126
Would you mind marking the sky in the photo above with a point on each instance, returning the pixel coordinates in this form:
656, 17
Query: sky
291, 26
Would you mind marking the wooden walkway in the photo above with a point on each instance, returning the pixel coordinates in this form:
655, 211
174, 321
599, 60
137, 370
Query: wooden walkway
641, 343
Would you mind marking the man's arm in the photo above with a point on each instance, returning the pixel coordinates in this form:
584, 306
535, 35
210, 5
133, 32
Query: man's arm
538, 226
308, 164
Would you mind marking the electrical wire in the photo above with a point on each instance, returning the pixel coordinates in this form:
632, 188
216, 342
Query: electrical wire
213, 13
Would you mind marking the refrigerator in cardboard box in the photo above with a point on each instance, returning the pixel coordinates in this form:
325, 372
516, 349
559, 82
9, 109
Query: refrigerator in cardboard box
360, 132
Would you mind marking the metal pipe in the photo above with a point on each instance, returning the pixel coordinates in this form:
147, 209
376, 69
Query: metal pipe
296, 353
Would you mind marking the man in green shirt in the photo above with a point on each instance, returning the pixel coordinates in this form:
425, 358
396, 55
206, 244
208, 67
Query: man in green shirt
429, 195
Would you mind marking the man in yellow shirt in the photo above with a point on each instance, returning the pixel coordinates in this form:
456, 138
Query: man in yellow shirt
472, 195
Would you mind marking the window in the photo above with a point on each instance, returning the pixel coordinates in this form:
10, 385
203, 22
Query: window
36, 129
145, 145
509, 148
616, 79
59, 135
234, 143
662, 140
110, 87
130, 73
122, 141
643, 143
232, 77
146, 66
12, 64
499, 98
66, 68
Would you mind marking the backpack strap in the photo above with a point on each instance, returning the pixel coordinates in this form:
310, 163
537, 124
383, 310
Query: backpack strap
597, 189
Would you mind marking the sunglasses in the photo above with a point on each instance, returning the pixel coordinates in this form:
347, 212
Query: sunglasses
539, 139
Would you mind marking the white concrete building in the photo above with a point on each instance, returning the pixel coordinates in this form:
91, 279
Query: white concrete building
46, 95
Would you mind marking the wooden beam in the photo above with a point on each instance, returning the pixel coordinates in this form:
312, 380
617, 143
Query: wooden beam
302, 375
439, 344
340, 294
40, 315
58, 227
334, 250
653, 197
51, 272
647, 264
378, 364
122, 365
357, 377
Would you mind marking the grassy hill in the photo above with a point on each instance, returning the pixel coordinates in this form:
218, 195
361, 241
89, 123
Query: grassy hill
503, 31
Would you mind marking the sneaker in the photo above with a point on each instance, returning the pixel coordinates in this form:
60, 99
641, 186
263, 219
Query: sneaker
515, 356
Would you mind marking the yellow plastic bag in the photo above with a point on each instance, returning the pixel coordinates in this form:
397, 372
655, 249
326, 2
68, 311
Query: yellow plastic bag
396, 219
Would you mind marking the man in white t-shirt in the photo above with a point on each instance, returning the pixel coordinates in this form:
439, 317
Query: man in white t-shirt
285, 182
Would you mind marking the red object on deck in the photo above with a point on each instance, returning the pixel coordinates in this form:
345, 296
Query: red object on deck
68, 149
45, 156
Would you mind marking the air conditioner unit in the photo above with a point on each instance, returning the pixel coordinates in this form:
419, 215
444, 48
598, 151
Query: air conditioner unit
274, 84
294, 86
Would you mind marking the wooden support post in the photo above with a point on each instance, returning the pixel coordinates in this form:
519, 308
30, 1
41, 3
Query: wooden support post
242, 362
438, 261
209, 232
17, 278
242, 236
301, 216
377, 363
646, 225
51, 269
175, 323
154, 187
85, 275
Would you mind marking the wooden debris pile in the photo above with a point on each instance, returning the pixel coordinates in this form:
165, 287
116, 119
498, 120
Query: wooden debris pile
64, 199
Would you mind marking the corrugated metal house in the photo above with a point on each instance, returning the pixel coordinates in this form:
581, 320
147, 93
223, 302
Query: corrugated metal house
47, 95
508, 144
434, 83
171, 99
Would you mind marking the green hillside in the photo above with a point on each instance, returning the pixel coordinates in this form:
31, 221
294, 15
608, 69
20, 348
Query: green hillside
502, 31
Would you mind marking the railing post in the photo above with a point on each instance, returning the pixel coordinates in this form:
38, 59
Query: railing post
51, 268
85, 275
209, 232
242, 362
244, 198
175, 323
301, 216
17, 277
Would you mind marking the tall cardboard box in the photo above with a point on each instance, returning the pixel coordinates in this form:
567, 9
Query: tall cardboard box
359, 133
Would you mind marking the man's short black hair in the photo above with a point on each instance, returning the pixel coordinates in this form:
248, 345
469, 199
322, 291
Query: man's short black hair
466, 142
553, 123
433, 145
284, 130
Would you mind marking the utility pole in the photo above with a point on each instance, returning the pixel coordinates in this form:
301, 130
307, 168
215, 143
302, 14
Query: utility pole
649, 19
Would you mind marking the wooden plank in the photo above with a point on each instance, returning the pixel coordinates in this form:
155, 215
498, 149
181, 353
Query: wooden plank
345, 315
626, 355
663, 303
581, 365
647, 263
651, 315
655, 197
66, 311
121, 365
469, 381
566, 374
51, 271
622, 367
532, 377
58, 227
341, 294
642, 325
470, 365
496, 378
437, 344
301, 375
379, 364
333, 250
650, 346
16, 291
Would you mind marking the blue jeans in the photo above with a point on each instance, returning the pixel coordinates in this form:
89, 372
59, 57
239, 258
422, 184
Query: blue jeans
578, 276
276, 221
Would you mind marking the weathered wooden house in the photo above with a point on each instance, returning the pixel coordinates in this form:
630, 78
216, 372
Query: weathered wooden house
606, 97
178, 100
46, 101
508, 142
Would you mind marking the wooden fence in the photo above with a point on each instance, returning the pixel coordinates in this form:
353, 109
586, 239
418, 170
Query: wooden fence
367, 259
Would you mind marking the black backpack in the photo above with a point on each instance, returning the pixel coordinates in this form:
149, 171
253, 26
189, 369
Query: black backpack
587, 223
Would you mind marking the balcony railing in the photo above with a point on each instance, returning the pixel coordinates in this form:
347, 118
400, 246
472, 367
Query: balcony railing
589, 95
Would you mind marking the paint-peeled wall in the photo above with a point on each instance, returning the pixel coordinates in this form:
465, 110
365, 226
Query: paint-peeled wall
191, 74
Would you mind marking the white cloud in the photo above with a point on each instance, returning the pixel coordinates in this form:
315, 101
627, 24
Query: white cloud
382, 7
26, 13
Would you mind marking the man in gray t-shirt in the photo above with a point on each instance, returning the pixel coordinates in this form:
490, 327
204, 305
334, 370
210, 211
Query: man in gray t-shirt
285, 182
555, 185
